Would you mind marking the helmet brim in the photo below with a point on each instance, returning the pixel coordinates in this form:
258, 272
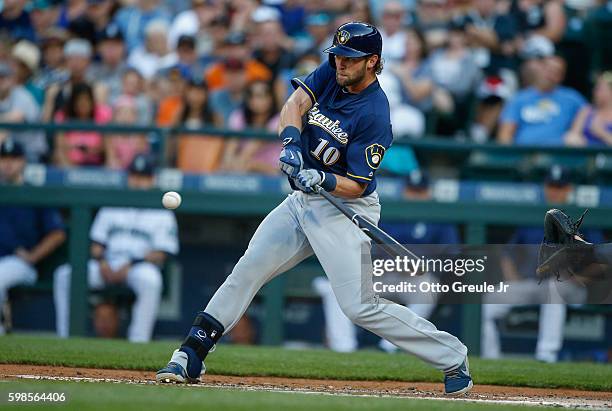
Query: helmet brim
340, 50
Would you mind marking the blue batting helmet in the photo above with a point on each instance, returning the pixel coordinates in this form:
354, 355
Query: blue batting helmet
355, 39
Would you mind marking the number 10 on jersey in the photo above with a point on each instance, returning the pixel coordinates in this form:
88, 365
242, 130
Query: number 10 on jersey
327, 155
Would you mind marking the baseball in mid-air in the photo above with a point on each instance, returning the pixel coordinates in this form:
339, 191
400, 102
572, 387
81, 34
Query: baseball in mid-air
171, 200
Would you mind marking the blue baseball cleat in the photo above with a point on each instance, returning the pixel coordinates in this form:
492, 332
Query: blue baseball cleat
176, 371
458, 381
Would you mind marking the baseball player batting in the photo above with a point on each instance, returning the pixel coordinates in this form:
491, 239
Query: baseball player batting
339, 148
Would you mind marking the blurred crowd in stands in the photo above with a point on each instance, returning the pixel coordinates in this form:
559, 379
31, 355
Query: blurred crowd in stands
512, 71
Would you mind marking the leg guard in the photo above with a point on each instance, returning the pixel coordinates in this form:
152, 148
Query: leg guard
203, 335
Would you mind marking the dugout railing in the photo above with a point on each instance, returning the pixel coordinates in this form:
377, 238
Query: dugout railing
475, 217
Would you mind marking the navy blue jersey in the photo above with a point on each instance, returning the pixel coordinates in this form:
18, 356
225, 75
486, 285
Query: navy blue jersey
26, 226
344, 133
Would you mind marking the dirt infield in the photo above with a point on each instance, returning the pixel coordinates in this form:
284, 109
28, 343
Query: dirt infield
565, 398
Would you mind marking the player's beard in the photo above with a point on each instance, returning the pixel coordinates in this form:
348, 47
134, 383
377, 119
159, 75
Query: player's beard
350, 80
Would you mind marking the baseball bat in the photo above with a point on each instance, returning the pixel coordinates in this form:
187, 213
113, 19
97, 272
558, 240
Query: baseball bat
389, 244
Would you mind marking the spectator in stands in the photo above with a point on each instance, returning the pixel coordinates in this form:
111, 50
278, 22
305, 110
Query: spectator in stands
27, 234
543, 113
154, 54
80, 147
171, 104
597, 26
175, 7
15, 20
391, 29
132, 85
531, 54
272, 47
540, 17
44, 16
78, 55
18, 106
225, 101
121, 148
187, 57
293, 16
259, 112
493, 37
93, 23
129, 246
71, 11
133, 20
519, 270
26, 57
216, 35
253, 11
360, 11
53, 70
235, 48
454, 69
414, 71
108, 71
407, 120
432, 18
593, 124
196, 22
198, 153
319, 36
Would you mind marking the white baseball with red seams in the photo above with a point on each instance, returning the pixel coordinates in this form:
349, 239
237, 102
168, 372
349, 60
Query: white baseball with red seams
171, 200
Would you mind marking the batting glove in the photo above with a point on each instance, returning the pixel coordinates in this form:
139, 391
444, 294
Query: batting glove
290, 161
310, 180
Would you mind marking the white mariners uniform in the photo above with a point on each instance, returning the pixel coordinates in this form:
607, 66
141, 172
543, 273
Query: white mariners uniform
551, 319
14, 271
128, 234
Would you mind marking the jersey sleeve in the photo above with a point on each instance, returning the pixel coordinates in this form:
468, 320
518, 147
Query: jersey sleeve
51, 220
100, 227
165, 236
511, 112
365, 153
314, 84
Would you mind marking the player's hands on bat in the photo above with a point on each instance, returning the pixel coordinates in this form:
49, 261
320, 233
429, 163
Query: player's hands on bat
309, 180
290, 161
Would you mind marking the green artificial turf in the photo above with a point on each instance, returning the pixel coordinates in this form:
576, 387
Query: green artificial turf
272, 361
84, 396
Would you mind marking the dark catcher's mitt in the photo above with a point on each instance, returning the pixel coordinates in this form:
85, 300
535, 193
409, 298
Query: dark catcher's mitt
563, 248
